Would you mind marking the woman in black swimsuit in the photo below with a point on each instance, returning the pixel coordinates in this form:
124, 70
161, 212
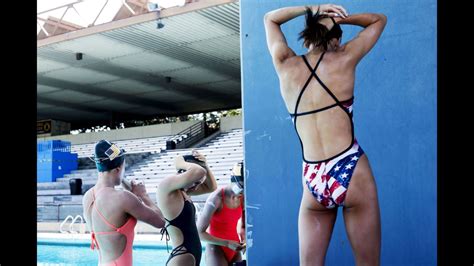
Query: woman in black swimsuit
193, 178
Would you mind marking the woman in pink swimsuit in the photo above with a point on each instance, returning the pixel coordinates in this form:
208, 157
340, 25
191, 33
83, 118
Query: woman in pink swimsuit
110, 214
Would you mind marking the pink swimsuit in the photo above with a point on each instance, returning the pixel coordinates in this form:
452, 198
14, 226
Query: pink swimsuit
127, 230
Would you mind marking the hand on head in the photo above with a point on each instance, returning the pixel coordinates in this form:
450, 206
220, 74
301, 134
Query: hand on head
199, 156
330, 10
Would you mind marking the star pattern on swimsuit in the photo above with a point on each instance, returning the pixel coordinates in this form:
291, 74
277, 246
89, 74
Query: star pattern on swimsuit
349, 166
344, 175
337, 168
355, 158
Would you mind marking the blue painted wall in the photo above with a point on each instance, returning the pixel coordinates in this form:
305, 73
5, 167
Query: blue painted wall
53, 160
395, 122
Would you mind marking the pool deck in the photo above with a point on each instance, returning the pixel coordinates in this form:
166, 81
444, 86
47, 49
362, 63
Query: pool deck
68, 236
54, 227
145, 234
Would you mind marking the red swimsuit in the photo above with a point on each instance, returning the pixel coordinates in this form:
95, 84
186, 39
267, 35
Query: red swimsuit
224, 225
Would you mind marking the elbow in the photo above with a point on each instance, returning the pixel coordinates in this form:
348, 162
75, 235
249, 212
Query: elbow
266, 17
201, 171
198, 172
382, 18
201, 234
213, 186
200, 228
161, 220
160, 223
153, 219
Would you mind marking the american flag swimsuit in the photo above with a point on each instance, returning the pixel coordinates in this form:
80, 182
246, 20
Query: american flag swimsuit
329, 179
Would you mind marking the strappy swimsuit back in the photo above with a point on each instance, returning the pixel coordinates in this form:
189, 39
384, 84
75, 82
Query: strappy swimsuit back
345, 106
127, 229
327, 178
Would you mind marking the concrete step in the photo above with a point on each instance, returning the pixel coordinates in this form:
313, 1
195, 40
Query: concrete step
65, 199
53, 192
57, 212
52, 186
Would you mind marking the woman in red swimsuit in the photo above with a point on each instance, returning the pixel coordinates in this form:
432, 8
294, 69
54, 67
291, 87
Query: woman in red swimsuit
224, 214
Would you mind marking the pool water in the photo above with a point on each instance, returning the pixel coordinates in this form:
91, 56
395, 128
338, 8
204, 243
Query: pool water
77, 252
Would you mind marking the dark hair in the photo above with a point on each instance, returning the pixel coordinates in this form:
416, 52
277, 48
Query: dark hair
191, 159
314, 32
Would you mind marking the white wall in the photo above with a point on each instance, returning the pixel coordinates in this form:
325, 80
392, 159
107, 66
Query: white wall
231, 122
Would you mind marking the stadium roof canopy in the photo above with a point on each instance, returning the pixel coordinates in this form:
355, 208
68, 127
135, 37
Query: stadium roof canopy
131, 69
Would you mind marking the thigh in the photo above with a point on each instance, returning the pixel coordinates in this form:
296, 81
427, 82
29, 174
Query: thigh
237, 257
315, 226
362, 215
186, 259
215, 256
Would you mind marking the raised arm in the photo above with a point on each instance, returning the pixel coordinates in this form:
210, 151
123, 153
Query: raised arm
209, 185
373, 25
138, 204
276, 40
193, 174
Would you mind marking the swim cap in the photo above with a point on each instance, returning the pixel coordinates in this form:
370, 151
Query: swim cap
107, 156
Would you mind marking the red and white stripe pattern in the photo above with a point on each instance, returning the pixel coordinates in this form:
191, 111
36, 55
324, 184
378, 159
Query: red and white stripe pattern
324, 187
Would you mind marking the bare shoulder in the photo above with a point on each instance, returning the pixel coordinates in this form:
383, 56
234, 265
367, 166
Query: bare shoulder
334, 56
162, 190
123, 196
339, 60
87, 198
289, 69
345, 56
216, 199
165, 197
291, 62
163, 187
215, 196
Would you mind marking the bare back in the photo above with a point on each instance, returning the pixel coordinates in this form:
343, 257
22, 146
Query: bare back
108, 203
171, 206
328, 132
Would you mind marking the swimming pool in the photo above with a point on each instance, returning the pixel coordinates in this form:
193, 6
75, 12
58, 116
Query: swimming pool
55, 252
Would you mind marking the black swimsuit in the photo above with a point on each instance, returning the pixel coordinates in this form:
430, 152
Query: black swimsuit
186, 222
345, 105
